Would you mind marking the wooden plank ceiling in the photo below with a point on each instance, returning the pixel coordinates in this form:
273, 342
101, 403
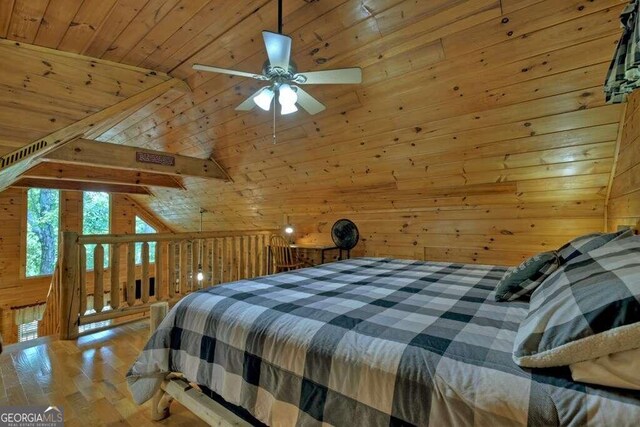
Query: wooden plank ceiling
477, 119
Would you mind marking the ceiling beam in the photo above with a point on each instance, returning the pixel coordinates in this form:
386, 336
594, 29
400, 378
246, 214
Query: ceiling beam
80, 186
14, 164
84, 173
102, 154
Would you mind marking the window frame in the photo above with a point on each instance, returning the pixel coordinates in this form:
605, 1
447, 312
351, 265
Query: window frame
107, 248
24, 233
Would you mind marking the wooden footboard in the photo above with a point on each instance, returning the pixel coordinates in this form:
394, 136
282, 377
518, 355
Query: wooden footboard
176, 387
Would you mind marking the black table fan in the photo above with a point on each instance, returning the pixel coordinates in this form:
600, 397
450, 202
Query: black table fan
345, 235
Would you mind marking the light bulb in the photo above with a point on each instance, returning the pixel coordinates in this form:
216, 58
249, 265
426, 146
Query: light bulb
200, 276
264, 98
288, 97
288, 109
288, 230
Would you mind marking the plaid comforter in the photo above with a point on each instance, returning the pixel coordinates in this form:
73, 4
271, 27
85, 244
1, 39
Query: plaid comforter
369, 342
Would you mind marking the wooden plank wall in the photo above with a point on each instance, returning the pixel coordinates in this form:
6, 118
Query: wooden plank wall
17, 290
624, 201
479, 134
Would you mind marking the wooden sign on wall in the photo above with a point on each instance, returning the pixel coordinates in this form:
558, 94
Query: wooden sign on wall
157, 159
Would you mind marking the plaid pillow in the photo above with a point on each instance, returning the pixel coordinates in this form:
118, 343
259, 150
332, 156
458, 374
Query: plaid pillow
587, 309
521, 281
583, 244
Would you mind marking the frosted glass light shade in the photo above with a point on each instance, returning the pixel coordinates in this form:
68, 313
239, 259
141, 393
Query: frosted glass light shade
288, 109
264, 98
288, 96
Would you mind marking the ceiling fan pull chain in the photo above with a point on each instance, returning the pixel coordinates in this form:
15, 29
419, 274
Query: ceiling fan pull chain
274, 121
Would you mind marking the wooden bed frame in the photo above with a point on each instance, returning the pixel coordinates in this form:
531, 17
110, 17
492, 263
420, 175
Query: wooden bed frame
176, 387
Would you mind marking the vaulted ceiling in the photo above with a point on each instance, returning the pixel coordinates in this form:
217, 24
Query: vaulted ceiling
464, 102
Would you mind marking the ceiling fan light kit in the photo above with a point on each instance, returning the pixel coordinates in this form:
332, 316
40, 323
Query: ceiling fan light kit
284, 78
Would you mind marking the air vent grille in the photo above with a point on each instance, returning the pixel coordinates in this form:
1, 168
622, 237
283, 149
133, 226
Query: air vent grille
16, 156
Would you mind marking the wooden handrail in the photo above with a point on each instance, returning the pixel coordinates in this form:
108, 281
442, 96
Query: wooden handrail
90, 239
179, 258
50, 323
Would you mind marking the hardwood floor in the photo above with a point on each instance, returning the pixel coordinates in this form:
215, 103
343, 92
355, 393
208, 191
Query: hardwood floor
85, 377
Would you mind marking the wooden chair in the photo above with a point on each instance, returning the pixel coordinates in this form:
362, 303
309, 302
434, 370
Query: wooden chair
282, 255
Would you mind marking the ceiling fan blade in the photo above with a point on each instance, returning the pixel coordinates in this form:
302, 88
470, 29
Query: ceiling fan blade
330, 77
278, 49
249, 103
211, 69
308, 102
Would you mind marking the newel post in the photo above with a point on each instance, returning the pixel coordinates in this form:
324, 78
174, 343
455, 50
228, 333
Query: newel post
69, 286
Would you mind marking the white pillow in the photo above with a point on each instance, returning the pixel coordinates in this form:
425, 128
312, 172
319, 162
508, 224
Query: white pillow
614, 370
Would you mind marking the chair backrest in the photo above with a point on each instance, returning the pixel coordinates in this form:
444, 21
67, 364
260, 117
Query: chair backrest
281, 251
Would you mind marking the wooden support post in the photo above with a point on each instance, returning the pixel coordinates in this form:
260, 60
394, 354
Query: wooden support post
160, 276
69, 289
131, 274
98, 278
145, 273
115, 276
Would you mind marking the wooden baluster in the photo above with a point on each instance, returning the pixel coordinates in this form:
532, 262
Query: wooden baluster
206, 264
145, 285
242, 258
215, 262
234, 259
254, 256
184, 267
224, 261
98, 278
115, 276
195, 261
131, 274
82, 278
171, 260
69, 292
160, 277
261, 255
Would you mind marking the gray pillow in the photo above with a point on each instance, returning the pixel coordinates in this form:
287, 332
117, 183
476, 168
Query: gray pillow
587, 309
583, 244
521, 281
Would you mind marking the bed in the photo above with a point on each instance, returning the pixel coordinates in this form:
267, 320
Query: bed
369, 342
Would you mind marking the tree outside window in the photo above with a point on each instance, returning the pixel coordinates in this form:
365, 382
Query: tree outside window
95, 220
43, 209
144, 228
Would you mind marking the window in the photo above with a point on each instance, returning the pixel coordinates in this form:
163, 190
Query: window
95, 220
43, 208
28, 331
143, 228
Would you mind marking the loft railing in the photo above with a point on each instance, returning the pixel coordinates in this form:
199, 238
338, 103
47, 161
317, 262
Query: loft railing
131, 287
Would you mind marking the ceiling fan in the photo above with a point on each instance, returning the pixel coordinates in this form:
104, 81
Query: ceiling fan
283, 77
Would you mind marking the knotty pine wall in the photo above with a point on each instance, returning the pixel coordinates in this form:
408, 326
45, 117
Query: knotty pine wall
624, 201
15, 288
